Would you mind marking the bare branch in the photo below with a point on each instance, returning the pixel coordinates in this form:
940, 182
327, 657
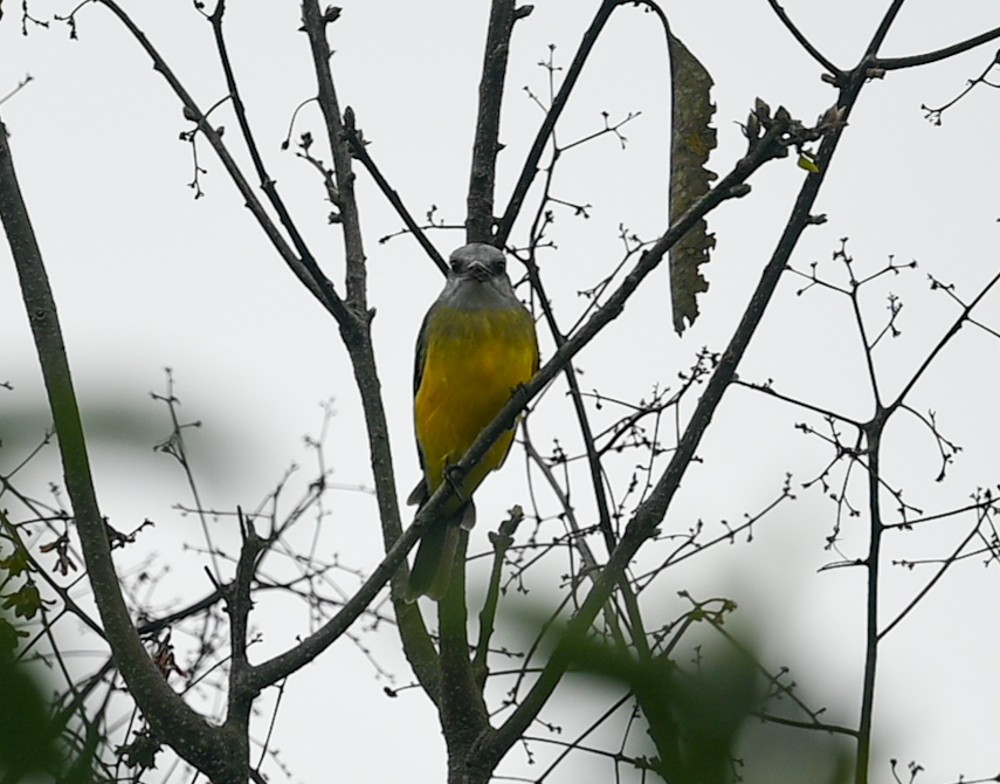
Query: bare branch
479, 219
948, 562
651, 511
359, 148
804, 42
304, 268
314, 23
283, 665
357, 338
895, 63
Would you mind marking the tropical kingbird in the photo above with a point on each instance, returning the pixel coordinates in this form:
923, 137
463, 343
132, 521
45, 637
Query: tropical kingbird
476, 346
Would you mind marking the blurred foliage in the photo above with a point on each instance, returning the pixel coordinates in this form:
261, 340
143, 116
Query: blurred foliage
126, 424
122, 426
30, 745
706, 718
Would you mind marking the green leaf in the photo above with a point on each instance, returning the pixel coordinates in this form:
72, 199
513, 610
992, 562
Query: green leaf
26, 602
17, 562
808, 162
692, 139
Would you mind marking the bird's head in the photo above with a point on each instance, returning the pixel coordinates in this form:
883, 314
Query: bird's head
477, 261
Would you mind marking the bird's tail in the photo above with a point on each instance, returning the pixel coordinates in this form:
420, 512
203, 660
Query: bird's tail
431, 571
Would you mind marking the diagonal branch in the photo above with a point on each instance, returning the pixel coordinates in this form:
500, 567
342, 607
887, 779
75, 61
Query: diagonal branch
948, 562
883, 29
766, 148
304, 268
357, 338
283, 665
650, 513
944, 341
267, 183
359, 150
593, 459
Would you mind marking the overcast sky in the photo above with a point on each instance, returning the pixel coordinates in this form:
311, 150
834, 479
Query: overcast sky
145, 276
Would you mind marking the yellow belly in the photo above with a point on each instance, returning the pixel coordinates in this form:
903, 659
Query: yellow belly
473, 362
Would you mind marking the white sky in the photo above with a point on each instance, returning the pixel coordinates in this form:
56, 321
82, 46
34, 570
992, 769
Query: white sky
145, 277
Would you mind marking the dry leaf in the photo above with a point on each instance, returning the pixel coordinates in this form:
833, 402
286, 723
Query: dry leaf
692, 139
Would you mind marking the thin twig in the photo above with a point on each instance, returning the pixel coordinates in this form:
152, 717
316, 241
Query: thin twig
804, 42
359, 149
530, 167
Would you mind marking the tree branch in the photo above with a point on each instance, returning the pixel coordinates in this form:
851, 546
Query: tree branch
460, 700
305, 268
803, 41
238, 606
873, 434
895, 63
951, 559
360, 151
314, 23
267, 183
944, 341
650, 513
766, 148
593, 459
357, 338
501, 540
883, 29
283, 665
479, 217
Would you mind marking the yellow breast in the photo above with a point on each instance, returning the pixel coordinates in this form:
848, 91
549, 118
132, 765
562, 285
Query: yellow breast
473, 361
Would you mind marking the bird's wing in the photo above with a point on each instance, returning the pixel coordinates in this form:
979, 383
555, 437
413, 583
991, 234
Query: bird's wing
420, 355
535, 364
419, 494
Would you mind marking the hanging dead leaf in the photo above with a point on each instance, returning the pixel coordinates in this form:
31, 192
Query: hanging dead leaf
692, 139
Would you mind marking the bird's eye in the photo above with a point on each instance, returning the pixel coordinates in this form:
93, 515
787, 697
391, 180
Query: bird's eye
500, 265
456, 266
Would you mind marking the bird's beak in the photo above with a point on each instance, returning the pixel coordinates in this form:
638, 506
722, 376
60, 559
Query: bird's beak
479, 271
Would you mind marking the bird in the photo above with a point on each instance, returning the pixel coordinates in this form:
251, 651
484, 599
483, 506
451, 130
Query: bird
476, 346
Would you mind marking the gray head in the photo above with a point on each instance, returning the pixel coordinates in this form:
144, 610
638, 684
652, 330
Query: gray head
477, 260
477, 278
